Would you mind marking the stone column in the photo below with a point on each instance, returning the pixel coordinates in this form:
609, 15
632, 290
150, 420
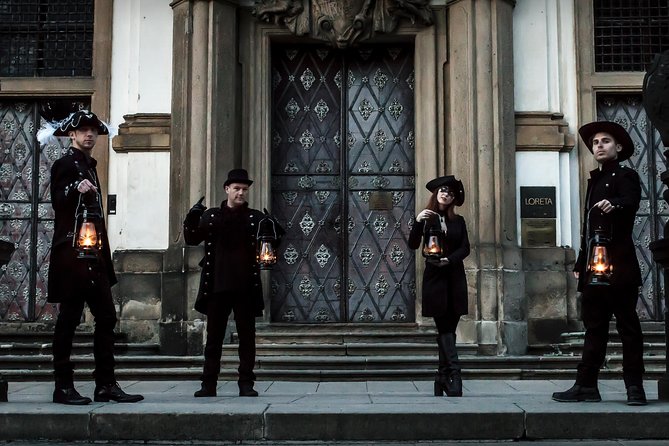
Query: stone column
481, 150
204, 133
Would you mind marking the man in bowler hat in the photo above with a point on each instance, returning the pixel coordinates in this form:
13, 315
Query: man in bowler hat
75, 281
230, 278
612, 200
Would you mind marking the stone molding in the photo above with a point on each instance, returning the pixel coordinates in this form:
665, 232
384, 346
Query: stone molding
543, 132
143, 132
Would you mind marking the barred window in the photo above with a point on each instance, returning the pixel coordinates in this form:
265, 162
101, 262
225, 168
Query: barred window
41, 38
628, 33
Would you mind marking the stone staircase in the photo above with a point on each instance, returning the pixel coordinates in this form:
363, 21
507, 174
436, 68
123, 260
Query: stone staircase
324, 353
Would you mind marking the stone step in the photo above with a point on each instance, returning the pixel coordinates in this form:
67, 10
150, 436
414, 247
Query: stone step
78, 348
336, 337
350, 349
649, 348
652, 336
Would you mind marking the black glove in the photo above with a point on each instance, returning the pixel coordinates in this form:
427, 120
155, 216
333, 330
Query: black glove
194, 214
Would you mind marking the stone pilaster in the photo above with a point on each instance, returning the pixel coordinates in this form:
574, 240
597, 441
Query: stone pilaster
481, 151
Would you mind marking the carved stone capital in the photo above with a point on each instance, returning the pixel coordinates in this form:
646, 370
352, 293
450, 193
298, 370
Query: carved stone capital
543, 132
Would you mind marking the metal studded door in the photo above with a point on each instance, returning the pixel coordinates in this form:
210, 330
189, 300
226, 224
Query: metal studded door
628, 111
26, 215
343, 183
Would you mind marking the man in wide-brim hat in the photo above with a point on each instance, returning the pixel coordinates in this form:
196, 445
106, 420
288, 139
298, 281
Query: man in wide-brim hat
612, 200
75, 281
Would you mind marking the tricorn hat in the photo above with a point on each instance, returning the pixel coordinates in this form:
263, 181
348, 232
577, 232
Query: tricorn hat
81, 118
452, 183
588, 131
238, 176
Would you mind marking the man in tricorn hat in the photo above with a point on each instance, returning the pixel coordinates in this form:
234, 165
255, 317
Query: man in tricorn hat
230, 279
612, 200
75, 281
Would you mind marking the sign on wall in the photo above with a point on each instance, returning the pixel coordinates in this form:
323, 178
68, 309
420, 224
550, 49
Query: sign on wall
538, 216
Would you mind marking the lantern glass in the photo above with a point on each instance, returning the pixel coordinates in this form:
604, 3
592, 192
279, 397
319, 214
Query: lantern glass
266, 255
599, 262
88, 236
432, 248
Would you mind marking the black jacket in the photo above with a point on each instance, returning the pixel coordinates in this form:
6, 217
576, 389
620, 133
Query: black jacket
622, 187
66, 271
229, 266
444, 287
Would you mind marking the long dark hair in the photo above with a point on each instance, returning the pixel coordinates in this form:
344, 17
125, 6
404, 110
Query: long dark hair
433, 205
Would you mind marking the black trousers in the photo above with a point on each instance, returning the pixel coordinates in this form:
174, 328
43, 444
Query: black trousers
598, 304
447, 324
219, 308
97, 294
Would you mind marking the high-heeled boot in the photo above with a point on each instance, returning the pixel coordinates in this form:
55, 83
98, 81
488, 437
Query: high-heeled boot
454, 382
443, 371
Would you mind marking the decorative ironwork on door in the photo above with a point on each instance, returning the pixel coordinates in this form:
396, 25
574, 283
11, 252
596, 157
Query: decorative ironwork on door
343, 183
26, 215
628, 111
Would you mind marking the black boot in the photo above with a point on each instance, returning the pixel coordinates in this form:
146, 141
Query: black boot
65, 393
246, 389
208, 389
441, 377
454, 381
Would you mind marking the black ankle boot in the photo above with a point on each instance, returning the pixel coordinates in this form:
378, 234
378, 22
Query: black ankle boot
454, 386
207, 389
441, 377
246, 389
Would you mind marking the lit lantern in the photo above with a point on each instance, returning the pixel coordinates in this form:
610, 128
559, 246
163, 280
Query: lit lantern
87, 241
266, 237
432, 246
599, 261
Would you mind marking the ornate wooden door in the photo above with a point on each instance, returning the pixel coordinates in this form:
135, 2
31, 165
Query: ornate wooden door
343, 183
627, 110
26, 215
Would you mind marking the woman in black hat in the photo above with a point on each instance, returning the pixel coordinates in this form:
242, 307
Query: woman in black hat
444, 281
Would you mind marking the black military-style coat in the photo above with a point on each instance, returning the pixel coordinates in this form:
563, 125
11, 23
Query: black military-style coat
229, 265
444, 287
66, 272
622, 187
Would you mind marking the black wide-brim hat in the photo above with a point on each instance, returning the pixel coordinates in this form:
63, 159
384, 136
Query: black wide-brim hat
588, 131
238, 176
452, 183
81, 118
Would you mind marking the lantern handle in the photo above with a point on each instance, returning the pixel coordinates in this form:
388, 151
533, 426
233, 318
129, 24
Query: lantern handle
260, 224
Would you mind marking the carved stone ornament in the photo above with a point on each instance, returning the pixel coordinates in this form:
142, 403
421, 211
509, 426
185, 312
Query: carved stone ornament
343, 23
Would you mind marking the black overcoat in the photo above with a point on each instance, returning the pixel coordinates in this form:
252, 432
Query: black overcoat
229, 265
622, 187
66, 272
444, 287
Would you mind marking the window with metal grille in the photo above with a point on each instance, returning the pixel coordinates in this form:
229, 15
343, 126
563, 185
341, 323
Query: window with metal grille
628, 33
41, 38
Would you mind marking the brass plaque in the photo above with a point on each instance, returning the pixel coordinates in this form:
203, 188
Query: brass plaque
537, 232
380, 201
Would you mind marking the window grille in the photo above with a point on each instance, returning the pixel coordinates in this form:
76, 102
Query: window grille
41, 38
628, 33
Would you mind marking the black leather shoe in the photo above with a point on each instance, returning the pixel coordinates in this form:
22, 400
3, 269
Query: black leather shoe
246, 389
578, 393
636, 396
112, 392
70, 396
207, 389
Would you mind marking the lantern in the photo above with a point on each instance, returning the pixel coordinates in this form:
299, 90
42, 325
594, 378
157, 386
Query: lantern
599, 261
266, 237
87, 241
432, 247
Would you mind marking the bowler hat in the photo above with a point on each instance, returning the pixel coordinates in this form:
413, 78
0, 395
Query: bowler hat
452, 183
81, 118
588, 131
238, 176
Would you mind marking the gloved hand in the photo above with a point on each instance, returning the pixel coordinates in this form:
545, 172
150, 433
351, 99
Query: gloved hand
194, 214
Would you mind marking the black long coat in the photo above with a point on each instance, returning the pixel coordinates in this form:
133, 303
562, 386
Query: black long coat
622, 187
66, 272
229, 265
444, 287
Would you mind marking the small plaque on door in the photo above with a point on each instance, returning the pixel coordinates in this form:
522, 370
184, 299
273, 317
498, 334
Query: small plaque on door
380, 201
